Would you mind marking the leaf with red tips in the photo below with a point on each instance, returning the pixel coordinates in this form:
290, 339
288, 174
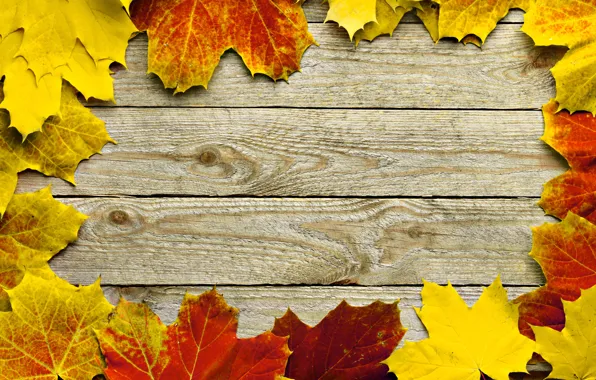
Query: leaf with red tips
200, 344
349, 343
187, 38
565, 251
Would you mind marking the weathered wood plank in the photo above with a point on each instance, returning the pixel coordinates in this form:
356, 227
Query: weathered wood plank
260, 305
247, 241
409, 71
316, 12
286, 152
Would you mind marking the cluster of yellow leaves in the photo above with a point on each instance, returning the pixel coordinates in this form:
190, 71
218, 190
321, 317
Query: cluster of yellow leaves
56, 150
464, 342
570, 23
466, 20
43, 42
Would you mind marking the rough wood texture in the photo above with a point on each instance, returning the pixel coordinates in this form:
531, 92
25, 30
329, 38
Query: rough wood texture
302, 241
260, 305
287, 152
406, 72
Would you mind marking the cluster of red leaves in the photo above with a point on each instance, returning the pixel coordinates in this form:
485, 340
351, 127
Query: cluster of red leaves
202, 343
565, 251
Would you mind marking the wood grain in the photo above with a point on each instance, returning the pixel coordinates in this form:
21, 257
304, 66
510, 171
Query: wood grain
247, 241
290, 152
406, 71
260, 305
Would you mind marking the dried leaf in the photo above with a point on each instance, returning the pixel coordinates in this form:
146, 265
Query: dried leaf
270, 36
34, 228
49, 332
349, 343
464, 342
43, 41
565, 253
200, 344
571, 352
55, 151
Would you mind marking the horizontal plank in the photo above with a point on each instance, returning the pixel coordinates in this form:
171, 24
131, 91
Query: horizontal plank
248, 241
260, 305
287, 152
406, 72
316, 12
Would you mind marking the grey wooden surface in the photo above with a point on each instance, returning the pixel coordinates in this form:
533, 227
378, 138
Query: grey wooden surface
371, 169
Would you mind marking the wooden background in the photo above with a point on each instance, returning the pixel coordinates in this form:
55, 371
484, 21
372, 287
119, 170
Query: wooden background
372, 169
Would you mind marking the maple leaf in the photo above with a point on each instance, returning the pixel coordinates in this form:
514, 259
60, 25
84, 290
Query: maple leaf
34, 228
200, 344
349, 343
55, 151
368, 19
565, 253
49, 332
571, 24
428, 13
270, 35
464, 342
574, 137
571, 352
462, 18
388, 15
43, 41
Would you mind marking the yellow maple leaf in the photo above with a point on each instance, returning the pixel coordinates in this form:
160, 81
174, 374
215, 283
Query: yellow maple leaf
571, 352
368, 19
460, 18
352, 15
34, 228
428, 13
571, 24
464, 342
55, 151
388, 15
43, 41
49, 332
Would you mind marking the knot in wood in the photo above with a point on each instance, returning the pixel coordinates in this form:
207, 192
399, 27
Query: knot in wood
119, 217
208, 157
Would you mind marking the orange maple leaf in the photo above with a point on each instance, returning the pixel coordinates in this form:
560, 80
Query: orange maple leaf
349, 343
574, 137
200, 344
187, 38
565, 251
